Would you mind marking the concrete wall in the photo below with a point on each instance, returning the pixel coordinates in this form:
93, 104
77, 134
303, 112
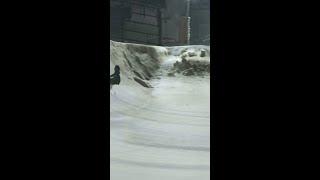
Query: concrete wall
174, 33
200, 21
171, 21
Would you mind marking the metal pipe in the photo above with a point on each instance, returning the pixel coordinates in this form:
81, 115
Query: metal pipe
188, 22
188, 8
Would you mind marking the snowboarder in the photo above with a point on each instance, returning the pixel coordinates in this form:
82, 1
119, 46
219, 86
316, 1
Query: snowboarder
115, 77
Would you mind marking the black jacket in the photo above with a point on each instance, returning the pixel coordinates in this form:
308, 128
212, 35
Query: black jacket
115, 78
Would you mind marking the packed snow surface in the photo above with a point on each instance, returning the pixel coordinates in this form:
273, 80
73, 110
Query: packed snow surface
159, 124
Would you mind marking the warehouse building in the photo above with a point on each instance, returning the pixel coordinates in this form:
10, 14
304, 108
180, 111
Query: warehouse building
160, 22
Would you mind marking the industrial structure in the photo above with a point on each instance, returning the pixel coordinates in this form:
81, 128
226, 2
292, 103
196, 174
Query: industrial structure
137, 21
160, 22
200, 22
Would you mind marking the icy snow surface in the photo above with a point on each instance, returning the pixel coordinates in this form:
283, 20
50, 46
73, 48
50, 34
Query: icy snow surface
161, 132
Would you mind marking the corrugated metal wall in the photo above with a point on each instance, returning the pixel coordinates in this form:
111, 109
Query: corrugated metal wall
135, 21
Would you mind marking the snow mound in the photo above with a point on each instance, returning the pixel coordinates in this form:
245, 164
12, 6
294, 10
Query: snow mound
138, 63
191, 60
192, 50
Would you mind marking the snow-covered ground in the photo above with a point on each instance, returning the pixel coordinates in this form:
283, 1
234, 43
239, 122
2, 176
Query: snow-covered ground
161, 131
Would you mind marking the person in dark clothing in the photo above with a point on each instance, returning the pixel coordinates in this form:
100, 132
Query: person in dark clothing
115, 77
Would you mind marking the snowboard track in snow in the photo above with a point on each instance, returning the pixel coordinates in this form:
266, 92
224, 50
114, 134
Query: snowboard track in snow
161, 132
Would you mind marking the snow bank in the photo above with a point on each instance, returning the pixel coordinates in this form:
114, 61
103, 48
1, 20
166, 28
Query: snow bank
196, 49
138, 63
191, 60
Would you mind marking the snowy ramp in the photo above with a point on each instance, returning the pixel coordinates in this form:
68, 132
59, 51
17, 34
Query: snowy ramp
161, 131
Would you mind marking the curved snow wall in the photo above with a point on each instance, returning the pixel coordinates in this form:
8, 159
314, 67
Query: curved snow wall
137, 62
